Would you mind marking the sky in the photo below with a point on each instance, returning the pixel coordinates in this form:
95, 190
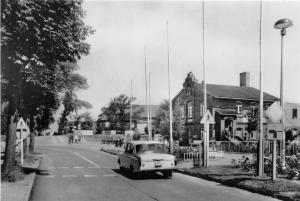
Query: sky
124, 29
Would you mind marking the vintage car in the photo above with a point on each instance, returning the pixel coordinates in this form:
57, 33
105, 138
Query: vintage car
147, 156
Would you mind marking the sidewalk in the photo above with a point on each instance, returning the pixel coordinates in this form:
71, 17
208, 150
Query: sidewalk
20, 190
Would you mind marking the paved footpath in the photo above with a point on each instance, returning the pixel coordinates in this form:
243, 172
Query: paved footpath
20, 190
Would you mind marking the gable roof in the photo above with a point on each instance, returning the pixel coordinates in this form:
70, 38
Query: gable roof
234, 92
154, 109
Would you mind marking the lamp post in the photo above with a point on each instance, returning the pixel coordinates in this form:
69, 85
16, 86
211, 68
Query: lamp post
282, 24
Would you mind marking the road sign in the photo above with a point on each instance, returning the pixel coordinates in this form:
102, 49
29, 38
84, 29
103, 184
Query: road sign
207, 118
274, 132
22, 133
22, 129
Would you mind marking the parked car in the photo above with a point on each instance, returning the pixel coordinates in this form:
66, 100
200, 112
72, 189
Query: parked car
147, 156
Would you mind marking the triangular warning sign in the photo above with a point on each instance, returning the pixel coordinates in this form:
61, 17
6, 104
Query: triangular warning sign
207, 118
21, 124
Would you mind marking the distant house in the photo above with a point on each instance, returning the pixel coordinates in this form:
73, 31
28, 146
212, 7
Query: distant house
139, 124
292, 116
231, 106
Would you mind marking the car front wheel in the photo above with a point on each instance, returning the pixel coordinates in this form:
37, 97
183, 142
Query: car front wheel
167, 173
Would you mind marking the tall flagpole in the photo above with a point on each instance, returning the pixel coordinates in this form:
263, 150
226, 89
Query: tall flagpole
206, 126
146, 90
150, 118
170, 101
203, 60
261, 103
130, 105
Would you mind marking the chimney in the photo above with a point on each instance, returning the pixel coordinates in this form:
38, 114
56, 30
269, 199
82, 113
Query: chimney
245, 79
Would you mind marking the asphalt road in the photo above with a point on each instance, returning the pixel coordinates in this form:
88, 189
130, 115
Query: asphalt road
82, 172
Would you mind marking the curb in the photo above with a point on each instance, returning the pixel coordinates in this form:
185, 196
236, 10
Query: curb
28, 192
109, 151
30, 186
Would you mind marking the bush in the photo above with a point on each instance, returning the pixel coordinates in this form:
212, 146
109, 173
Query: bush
245, 163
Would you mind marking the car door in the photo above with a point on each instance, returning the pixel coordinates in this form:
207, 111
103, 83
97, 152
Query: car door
126, 157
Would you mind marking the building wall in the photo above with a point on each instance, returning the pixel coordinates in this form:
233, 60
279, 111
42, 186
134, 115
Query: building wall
193, 130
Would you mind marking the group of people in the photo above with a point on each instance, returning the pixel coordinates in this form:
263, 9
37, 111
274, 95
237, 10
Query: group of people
74, 137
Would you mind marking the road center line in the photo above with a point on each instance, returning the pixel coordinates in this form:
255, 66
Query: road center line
86, 159
68, 176
77, 167
90, 175
108, 175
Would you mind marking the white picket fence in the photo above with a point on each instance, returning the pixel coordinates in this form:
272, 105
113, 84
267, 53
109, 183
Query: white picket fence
212, 155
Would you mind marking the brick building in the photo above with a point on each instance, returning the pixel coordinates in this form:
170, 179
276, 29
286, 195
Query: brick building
231, 106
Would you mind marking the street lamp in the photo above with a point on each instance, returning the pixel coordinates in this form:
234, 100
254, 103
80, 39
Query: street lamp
282, 24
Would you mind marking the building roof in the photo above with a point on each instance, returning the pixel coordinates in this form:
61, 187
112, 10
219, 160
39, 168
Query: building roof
154, 109
235, 92
226, 111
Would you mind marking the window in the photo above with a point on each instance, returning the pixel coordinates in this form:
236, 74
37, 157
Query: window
201, 109
150, 148
190, 110
182, 112
295, 113
239, 108
253, 109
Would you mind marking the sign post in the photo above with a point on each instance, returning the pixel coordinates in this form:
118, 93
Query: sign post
274, 161
23, 130
206, 120
22, 150
274, 133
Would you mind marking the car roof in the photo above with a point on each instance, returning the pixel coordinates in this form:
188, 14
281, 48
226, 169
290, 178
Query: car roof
144, 142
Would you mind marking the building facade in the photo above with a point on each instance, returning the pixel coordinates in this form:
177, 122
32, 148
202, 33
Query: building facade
139, 120
232, 107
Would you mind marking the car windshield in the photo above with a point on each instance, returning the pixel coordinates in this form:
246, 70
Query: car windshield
150, 148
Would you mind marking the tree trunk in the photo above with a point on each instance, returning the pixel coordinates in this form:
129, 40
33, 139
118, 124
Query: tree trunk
31, 145
32, 131
25, 148
62, 122
9, 159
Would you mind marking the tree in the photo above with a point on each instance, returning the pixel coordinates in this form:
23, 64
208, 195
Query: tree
84, 120
164, 119
35, 37
70, 82
118, 112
